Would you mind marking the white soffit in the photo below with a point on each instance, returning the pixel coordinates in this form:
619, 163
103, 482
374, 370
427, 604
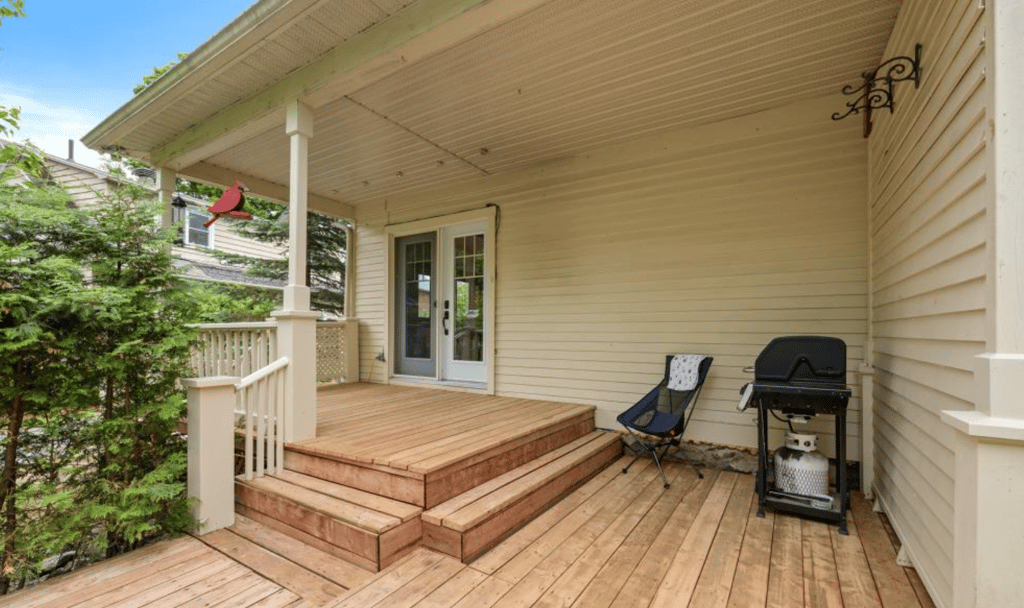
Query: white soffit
354, 155
302, 39
577, 74
570, 76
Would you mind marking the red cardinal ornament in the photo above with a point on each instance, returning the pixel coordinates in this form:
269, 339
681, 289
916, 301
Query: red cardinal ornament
230, 203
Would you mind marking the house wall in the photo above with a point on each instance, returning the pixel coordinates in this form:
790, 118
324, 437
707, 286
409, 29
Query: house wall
80, 184
84, 185
712, 240
226, 240
928, 230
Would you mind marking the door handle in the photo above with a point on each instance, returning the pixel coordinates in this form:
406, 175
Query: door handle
444, 318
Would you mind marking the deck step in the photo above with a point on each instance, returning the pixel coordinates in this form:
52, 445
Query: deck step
472, 522
286, 573
336, 570
448, 467
367, 530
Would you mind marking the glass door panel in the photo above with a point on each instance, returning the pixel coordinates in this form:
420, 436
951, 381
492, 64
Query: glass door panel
464, 336
468, 298
415, 276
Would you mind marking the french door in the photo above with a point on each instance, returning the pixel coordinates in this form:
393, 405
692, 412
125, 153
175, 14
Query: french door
440, 291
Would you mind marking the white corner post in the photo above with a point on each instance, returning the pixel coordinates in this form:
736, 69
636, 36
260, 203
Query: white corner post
867, 430
165, 191
211, 450
296, 325
988, 524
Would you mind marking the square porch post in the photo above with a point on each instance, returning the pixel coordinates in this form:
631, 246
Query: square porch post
165, 179
296, 324
988, 529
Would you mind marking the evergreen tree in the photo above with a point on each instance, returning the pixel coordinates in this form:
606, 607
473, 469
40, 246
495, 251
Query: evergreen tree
326, 242
92, 342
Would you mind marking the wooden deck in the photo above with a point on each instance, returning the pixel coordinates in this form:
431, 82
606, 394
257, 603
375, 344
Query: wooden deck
622, 540
617, 541
423, 446
423, 430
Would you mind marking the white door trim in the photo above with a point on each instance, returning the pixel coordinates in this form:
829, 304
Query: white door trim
394, 231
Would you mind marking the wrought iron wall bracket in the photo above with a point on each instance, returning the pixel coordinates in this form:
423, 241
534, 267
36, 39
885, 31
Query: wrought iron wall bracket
877, 90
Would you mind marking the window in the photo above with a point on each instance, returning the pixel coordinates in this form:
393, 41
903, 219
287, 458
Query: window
195, 232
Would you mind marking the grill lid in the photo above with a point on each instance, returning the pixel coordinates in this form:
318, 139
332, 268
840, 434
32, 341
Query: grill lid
802, 359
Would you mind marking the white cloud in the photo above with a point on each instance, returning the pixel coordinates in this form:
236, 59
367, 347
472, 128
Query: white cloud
50, 125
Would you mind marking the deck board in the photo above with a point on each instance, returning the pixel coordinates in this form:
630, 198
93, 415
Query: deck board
619, 540
423, 430
179, 573
623, 540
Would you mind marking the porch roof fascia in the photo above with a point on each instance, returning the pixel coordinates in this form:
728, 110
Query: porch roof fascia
226, 44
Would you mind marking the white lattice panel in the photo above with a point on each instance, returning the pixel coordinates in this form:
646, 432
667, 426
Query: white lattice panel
330, 352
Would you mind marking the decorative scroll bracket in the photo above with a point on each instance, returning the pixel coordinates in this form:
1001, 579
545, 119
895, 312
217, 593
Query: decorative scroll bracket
876, 91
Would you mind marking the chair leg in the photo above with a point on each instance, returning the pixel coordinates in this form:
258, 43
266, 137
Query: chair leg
657, 461
631, 463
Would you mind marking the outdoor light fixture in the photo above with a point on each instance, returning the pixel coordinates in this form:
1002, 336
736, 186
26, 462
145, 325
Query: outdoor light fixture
876, 92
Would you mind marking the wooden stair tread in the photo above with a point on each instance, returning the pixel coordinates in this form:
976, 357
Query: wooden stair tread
443, 510
436, 462
401, 510
514, 486
334, 569
264, 562
355, 515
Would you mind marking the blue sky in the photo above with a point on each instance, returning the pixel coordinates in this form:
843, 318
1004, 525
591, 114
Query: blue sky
71, 63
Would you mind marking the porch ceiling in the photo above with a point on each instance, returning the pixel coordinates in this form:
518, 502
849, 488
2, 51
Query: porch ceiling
525, 86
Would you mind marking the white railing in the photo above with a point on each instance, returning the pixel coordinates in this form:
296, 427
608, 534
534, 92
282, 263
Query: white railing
233, 349
259, 403
337, 351
238, 349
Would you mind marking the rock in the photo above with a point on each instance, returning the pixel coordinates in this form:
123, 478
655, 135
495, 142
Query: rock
56, 562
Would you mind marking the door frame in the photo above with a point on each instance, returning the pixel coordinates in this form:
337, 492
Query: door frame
486, 215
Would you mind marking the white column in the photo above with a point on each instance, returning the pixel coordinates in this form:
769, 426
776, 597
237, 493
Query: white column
350, 269
211, 450
296, 325
165, 190
989, 493
299, 128
867, 417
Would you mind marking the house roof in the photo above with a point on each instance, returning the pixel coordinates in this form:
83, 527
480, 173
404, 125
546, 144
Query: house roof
408, 96
221, 273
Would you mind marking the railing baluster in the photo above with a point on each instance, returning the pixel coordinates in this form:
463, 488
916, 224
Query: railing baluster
279, 420
261, 425
244, 395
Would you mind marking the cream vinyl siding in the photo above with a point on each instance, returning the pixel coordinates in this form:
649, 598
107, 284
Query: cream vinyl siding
81, 185
928, 229
708, 240
228, 241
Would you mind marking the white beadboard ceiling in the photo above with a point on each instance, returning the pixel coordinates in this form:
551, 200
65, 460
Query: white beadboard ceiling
569, 76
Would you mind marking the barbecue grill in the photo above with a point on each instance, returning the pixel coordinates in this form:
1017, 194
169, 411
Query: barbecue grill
801, 376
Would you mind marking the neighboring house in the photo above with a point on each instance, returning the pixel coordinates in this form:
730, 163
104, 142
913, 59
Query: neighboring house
193, 251
618, 180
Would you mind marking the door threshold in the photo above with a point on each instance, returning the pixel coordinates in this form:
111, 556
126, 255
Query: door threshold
455, 385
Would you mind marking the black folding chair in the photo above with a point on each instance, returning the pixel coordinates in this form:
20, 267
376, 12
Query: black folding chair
658, 420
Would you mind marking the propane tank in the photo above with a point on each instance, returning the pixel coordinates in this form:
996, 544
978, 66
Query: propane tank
799, 467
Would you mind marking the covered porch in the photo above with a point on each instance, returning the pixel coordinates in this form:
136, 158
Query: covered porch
608, 182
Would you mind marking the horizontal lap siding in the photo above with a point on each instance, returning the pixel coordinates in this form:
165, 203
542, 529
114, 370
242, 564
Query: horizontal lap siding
84, 187
226, 240
928, 226
712, 240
